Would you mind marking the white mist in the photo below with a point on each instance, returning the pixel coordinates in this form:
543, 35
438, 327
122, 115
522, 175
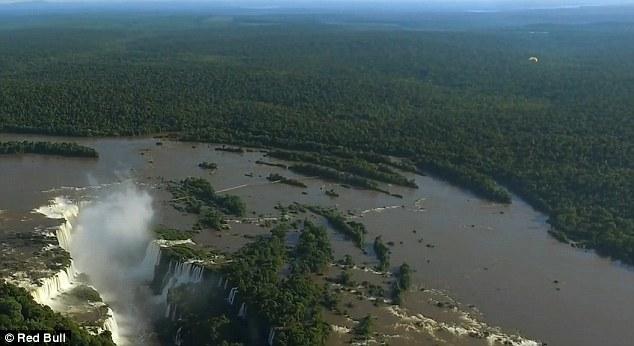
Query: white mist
109, 243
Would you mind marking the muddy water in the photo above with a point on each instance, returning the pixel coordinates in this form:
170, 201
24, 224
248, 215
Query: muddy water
497, 257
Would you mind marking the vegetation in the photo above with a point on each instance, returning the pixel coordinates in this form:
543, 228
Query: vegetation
196, 195
290, 304
331, 193
331, 174
260, 162
231, 149
404, 276
363, 330
47, 148
204, 320
18, 311
208, 165
211, 218
172, 234
313, 253
354, 166
274, 177
466, 105
287, 300
382, 253
353, 230
402, 282
87, 293
184, 252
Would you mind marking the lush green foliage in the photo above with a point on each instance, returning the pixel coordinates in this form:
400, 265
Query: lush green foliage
404, 276
363, 330
172, 234
18, 311
382, 253
203, 319
47, 148
331, 174
467, 105
184, 252
290, 304
284, 180
402, 283
211, 218
354, 166
196, 195
354, 230
313, 253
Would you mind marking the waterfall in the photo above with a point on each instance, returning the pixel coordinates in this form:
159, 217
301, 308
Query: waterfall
63, 234
243, 311
54, 285
271, 336
178, 340
150, 261
170, 311
232, 295
59, 208
64, 209
172, 316
180, 273
111, 325
167, 310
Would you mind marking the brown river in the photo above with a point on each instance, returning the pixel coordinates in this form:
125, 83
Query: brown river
497, 259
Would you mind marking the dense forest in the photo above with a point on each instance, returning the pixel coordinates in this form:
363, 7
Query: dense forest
47, 148
18, 311
466, 105
287, 300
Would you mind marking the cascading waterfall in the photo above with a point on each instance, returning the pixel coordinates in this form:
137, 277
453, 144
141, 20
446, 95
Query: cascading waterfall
54, 285
168, 310
183, 272
243, 311
171, 312
111, 324
63, 234
178, 340
232, 295
151, 260
177, 273
271, 336
63, 209
180, 273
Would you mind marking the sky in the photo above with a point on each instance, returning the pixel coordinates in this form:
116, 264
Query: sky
449, 4
264, 2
